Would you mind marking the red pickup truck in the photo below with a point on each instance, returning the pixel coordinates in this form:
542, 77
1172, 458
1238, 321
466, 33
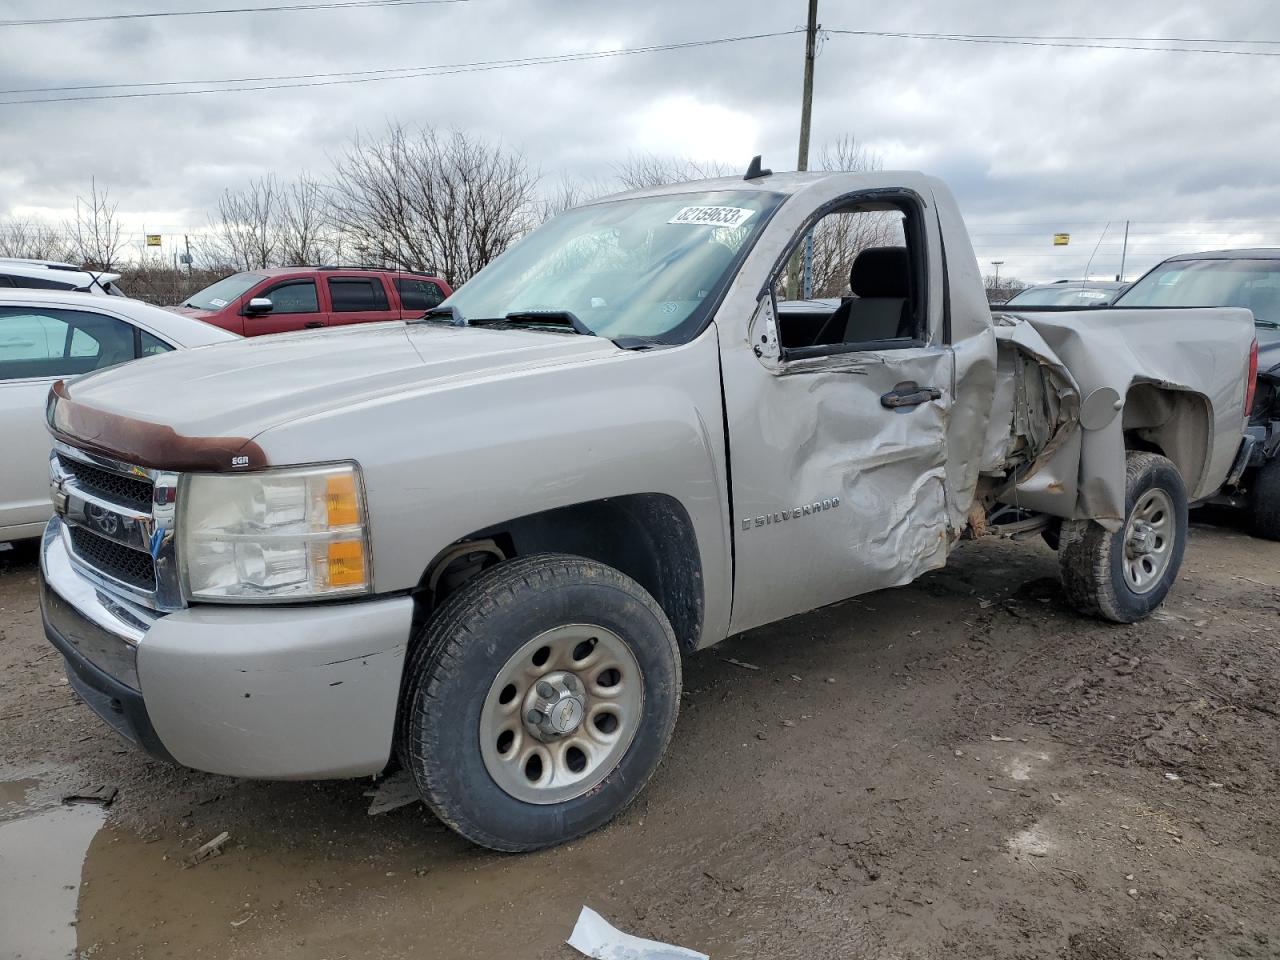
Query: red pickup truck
295, 298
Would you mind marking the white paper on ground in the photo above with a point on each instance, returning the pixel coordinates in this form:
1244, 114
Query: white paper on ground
593, 937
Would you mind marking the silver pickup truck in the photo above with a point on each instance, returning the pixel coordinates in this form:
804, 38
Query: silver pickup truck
480, 542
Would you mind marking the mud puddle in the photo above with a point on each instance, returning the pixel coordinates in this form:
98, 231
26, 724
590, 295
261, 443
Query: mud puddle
42, 850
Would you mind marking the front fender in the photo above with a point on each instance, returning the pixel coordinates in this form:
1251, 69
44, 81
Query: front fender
441, 464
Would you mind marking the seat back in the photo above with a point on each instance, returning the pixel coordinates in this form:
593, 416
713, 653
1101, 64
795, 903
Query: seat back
880, 280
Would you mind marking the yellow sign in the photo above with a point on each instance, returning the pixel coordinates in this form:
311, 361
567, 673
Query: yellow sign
1061, 239
153, 240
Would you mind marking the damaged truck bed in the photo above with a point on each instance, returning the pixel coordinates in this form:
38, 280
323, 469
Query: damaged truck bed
480, 541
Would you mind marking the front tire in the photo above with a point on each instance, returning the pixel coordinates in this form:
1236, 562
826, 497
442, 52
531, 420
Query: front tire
539, 701
1124, 575
1264, 501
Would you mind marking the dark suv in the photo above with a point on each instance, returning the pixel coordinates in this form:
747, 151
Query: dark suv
296, 298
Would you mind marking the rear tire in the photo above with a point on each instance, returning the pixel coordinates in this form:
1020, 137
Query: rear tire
539, 700
1264, 501
1123, 575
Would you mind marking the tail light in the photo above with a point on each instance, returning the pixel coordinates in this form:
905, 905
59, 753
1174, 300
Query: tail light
1251, 382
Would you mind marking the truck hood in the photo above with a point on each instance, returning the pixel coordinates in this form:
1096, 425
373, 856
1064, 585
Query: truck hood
240, 388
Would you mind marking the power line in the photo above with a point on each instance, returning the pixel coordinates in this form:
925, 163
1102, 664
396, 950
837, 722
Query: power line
1019, 36
281, 8
293, 81
374, 76
1065, 42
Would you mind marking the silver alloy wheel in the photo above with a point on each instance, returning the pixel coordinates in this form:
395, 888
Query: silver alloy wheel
1149, 536
561, 713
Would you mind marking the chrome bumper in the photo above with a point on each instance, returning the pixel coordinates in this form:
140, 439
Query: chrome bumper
299, 692
97, 635
103, 628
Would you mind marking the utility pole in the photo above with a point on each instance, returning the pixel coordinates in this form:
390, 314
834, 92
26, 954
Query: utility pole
806, 104
995, 284
1124, 250
806, 114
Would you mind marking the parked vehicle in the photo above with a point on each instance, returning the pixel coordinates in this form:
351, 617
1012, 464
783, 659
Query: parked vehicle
299, 298
1071, 294
482, 540
52, 275
1235, 278
46, 337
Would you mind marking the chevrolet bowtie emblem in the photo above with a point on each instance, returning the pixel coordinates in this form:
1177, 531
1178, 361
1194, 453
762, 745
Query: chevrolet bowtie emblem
103, 520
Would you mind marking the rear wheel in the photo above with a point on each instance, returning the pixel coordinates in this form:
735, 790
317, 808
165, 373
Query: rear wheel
1264, 501
540, 700
1123, 575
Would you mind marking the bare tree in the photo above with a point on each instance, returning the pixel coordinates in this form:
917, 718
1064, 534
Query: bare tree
1000, 289
245, 233
96, 239
304, 228
569, 192
31, 239
421, 198
642, 170
840, 237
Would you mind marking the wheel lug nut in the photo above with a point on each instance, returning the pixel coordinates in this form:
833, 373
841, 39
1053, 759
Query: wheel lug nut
545, 690
534, 716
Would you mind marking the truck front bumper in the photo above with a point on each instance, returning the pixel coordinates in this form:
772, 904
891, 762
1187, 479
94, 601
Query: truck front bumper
304, 692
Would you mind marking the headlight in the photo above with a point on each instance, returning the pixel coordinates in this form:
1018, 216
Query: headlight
282, 534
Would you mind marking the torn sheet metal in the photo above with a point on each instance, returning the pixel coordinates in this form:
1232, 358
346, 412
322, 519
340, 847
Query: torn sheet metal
1174, 379
593, 936
1033, 438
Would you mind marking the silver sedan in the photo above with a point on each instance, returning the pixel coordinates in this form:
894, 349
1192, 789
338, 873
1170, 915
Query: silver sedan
47, 336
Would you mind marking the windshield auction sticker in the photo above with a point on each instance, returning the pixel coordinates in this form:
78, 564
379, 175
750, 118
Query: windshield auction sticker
713, 216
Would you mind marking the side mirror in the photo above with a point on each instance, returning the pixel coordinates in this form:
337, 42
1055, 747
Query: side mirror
259, 305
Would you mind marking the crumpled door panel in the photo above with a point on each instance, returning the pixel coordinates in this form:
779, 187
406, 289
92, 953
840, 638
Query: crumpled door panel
835, 495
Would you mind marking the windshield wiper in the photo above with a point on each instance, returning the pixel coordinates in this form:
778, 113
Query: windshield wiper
445, 312
1267, 324
563, 318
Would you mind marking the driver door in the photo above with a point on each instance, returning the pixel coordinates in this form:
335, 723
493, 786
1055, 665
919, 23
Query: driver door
838, 448
294, 306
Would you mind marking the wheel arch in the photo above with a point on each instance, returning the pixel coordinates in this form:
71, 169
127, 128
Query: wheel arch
1174, 422
647, 536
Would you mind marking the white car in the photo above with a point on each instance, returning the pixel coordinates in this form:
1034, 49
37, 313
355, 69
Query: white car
53, 275
47, 336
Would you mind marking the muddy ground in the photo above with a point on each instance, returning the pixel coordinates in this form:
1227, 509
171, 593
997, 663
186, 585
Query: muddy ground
963, 768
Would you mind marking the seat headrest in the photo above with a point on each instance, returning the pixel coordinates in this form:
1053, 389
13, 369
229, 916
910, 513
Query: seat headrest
881, 272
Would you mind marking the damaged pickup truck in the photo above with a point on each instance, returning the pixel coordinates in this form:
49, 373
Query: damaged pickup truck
482, 540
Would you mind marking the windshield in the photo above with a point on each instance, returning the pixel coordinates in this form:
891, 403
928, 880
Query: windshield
1253, 284
639, 268
218, 295
1061, 295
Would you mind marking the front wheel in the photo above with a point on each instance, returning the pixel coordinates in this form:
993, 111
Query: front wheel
1123, 575
540, 700
1264, 500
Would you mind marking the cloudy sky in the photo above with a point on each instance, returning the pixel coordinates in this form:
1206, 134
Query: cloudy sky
1033, 139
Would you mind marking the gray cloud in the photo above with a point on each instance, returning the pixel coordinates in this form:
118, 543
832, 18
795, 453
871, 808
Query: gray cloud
1032, 139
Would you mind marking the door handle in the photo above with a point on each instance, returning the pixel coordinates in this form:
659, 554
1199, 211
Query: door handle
313, 324
909, 394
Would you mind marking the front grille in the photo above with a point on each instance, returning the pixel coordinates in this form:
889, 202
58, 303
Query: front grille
128, 566
127, 491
